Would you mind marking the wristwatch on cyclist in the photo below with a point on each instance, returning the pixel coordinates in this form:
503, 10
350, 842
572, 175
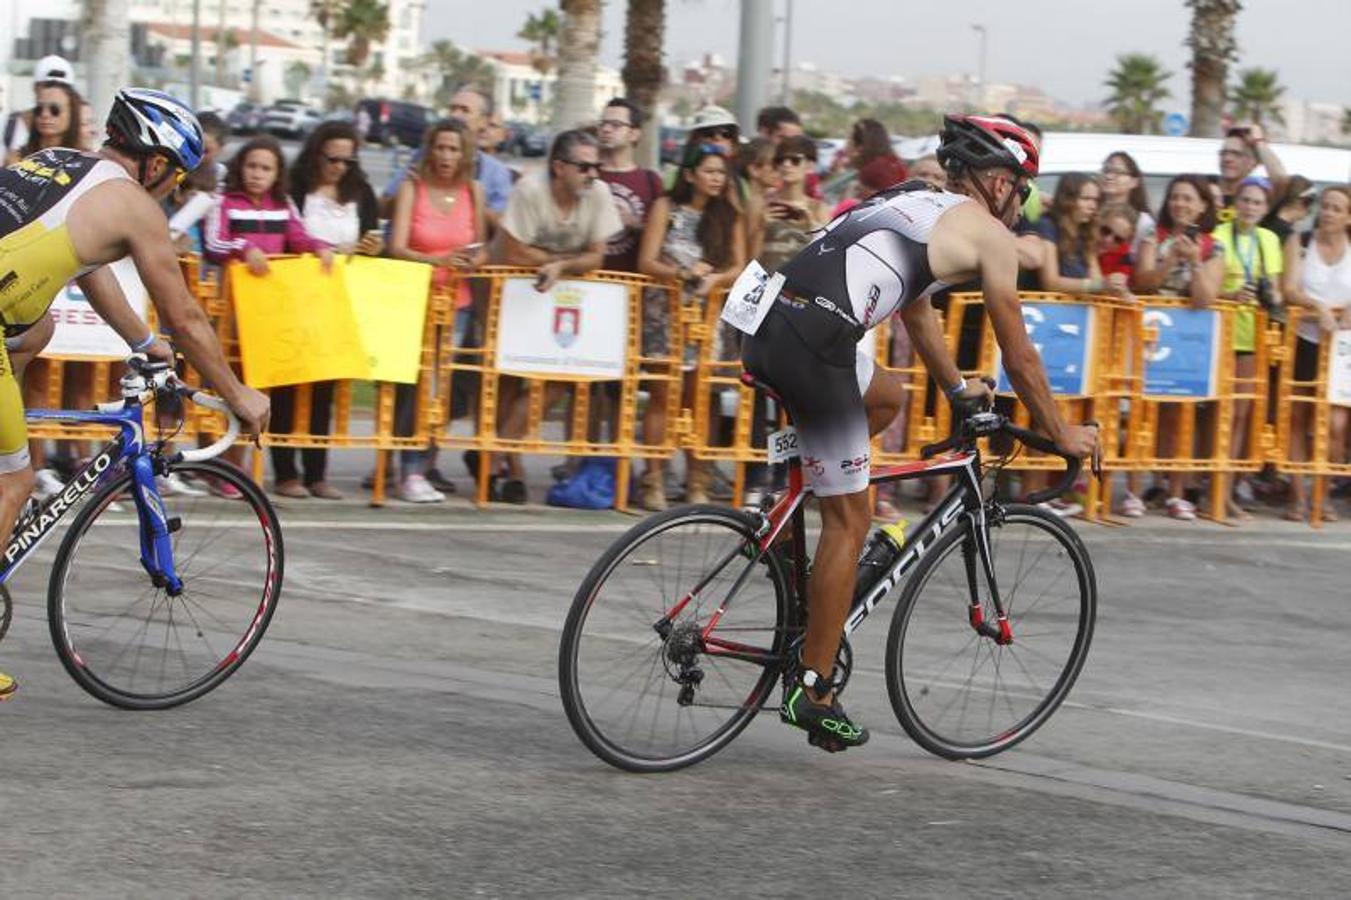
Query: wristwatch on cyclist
956, 390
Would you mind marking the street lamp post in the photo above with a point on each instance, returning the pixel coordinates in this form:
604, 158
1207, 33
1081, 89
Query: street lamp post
788, 54
980, 76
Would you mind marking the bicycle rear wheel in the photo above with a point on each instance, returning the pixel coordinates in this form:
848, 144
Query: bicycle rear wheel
647, 693
130, 644
960, 694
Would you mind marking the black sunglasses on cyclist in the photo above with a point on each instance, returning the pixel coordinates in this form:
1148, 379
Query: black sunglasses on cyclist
795, 158
51, 109
345, 161
1024, 191
583, 167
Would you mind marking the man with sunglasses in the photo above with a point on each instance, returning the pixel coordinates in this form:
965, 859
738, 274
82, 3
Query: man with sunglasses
889, 255
1243, 148
66, 214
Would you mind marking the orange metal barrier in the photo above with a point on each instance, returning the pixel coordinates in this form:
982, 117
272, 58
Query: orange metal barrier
467, 398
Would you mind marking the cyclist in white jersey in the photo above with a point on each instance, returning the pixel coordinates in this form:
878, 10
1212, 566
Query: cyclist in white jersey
890, 254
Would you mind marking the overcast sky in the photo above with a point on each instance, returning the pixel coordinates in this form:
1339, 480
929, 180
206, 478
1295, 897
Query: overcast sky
1066, 47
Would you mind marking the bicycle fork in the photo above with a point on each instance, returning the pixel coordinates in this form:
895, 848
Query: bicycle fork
976, 546
157, 553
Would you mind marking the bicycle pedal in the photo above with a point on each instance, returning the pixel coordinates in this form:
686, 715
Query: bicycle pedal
828, 744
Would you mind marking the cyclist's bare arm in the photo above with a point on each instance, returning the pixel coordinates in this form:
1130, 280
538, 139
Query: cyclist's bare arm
968, 241
926, 335
105, 295
119, 218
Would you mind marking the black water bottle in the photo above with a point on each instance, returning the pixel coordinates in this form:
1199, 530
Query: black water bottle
883, 549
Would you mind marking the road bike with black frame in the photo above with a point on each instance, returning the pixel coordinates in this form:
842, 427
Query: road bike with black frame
157, 605
682, 629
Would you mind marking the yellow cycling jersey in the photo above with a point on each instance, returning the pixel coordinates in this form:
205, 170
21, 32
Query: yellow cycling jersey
37, 258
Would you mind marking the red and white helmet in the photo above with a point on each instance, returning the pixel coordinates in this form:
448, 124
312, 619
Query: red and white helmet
987, 142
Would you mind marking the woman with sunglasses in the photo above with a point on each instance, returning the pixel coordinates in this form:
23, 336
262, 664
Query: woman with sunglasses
330, 189
695, 237
338, 207
790, 215
56, 120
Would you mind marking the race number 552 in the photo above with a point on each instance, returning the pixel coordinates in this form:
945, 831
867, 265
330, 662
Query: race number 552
783, 446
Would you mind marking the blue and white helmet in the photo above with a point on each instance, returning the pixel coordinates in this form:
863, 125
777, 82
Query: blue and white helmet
145, 121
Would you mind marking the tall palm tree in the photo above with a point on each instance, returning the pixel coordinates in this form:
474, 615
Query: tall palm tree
324, 12
362, 23
458, 68
1257, 96
578, 50
1137, 85
644, 74
1211, 40
541, 30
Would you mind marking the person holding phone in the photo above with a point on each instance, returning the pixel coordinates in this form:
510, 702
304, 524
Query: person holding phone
439, 218
1181, 259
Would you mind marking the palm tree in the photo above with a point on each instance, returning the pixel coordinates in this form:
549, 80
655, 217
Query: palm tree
362, 23
578, 50
458, 68
1137, 85
324, 12
542, 31
1257, 96
644, 35
1211, 40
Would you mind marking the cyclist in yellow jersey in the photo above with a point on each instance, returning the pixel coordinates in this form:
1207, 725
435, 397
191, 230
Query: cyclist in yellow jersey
66, 214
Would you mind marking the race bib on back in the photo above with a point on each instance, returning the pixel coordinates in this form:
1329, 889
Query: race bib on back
750, 299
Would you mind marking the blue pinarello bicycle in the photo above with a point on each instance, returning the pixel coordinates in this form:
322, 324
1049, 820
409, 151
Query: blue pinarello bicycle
152, 602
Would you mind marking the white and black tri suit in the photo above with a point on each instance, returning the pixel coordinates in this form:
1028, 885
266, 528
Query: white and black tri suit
867, 264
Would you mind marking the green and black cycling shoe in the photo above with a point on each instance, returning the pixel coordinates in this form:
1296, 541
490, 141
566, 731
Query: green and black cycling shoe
827, 725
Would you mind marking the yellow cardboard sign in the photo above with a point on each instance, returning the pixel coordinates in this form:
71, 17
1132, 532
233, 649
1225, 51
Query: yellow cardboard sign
389, 299
296, 324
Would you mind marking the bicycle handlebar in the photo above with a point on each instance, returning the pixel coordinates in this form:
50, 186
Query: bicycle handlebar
984, 424
160, 378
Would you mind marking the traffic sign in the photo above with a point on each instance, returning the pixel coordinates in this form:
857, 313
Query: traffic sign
536, 90
1175, 124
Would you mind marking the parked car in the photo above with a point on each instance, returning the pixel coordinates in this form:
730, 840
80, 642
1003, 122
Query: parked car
670, 142
290, 118
245, 118
531, 140
393, 121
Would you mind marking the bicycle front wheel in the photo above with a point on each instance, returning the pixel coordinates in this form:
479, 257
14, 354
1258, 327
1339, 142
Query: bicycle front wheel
961, 694
643, 687
127, 641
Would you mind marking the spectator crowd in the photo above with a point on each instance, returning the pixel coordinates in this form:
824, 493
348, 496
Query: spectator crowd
732, 196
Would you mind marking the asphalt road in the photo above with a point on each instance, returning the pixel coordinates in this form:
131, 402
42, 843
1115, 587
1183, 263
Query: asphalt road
399, 733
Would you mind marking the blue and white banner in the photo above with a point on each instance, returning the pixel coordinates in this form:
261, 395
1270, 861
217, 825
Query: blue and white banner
1339, 368
1185, 360
1063, 335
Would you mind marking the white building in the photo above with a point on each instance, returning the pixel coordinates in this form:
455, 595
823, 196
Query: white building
30, 29
292, 21
522, 93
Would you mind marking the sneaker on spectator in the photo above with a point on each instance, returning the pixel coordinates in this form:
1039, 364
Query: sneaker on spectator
1132, 507
1063, 508
1180, 509
46, 484
439, 481
512, 490
416, 489
223, 489
173, 485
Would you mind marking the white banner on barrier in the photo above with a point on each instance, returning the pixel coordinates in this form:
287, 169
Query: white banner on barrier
80, 332
579, 328
1339, 370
